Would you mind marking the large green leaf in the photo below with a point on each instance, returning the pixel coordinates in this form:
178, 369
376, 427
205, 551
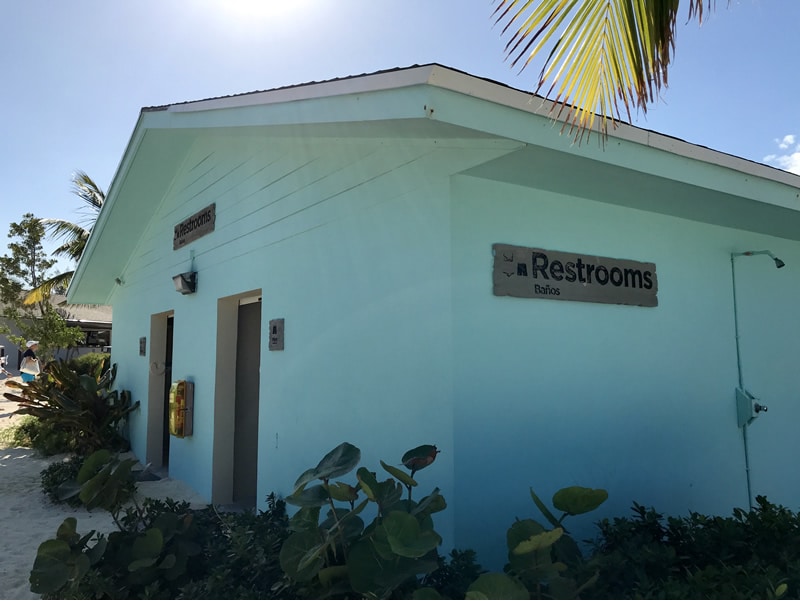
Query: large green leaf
368, 482
344, 523
148, 544
306, 518
497, 586
519, 532
522, 530
385, 493
375, 577
576, 500
51, 568
341, 491
338, 462
537, 542
307, 476
420, 457
433, 503
405, 536
92, 464
362, 566
545, 511
93, 493
327, 576
399, 474
316, 496
295, 550
89, 384
68, 531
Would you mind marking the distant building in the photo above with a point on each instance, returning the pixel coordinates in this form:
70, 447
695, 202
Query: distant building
420, 256
94, 320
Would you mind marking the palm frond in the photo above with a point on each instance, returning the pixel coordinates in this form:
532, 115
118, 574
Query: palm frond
46, 289
88, 191
602, 58
74, 237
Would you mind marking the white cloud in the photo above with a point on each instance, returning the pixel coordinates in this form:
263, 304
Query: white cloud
789, 161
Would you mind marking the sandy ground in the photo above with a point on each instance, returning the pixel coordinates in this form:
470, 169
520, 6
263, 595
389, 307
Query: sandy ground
27, 518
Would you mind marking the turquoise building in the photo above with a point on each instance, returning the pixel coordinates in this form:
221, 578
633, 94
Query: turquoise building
422, 256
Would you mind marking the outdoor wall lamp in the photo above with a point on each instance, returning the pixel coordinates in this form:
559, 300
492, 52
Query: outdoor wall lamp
185, 283
747, 406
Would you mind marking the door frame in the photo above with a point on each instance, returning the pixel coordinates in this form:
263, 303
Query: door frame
225, 394
155, 389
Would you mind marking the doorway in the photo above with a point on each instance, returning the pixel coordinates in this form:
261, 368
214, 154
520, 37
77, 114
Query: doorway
165, 397
248, 379
160, 357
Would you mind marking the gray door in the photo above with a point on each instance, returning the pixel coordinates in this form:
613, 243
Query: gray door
245, 439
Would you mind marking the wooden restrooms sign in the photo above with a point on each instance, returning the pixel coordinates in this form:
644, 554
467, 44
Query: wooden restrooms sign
194, 227
537, 273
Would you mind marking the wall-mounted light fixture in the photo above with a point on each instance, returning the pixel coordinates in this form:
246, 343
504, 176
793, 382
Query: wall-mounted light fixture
185, 283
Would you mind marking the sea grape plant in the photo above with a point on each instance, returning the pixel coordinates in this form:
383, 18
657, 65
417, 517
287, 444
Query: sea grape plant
150, 549
341, 553
541, 561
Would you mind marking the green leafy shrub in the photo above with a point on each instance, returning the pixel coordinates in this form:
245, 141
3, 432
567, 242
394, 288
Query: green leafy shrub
750, 555
542, 563
90, 363
452, 578
103, 481
164, 549
44, 436
77, 413
150, 560
148, 557
55, 475
241, 553
18, 434
338, 554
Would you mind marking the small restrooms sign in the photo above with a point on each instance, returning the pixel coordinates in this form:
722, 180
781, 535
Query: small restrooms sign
195, 226
537, 273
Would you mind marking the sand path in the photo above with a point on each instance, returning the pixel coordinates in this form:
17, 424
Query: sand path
28, 518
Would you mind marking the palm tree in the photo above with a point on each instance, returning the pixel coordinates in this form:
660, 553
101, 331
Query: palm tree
608, 55
74, 235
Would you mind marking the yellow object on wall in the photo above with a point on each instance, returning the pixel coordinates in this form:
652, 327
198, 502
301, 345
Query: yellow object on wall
181, 404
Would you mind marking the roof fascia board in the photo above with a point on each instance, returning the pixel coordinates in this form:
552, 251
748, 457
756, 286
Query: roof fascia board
389, 80
399, 104
469, 85
494, 92
677, 160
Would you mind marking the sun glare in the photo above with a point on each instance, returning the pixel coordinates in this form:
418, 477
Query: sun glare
258, 11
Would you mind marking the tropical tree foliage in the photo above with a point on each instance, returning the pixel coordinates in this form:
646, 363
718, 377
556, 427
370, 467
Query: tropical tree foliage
24, 268
73, 235
601, 57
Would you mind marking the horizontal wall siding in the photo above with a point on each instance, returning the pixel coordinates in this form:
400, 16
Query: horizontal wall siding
348, 240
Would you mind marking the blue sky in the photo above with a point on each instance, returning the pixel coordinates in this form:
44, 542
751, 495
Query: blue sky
77, 72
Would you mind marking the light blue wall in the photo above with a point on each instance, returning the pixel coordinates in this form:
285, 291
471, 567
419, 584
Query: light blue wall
638, 401
356, 261
380, 263
769, 335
